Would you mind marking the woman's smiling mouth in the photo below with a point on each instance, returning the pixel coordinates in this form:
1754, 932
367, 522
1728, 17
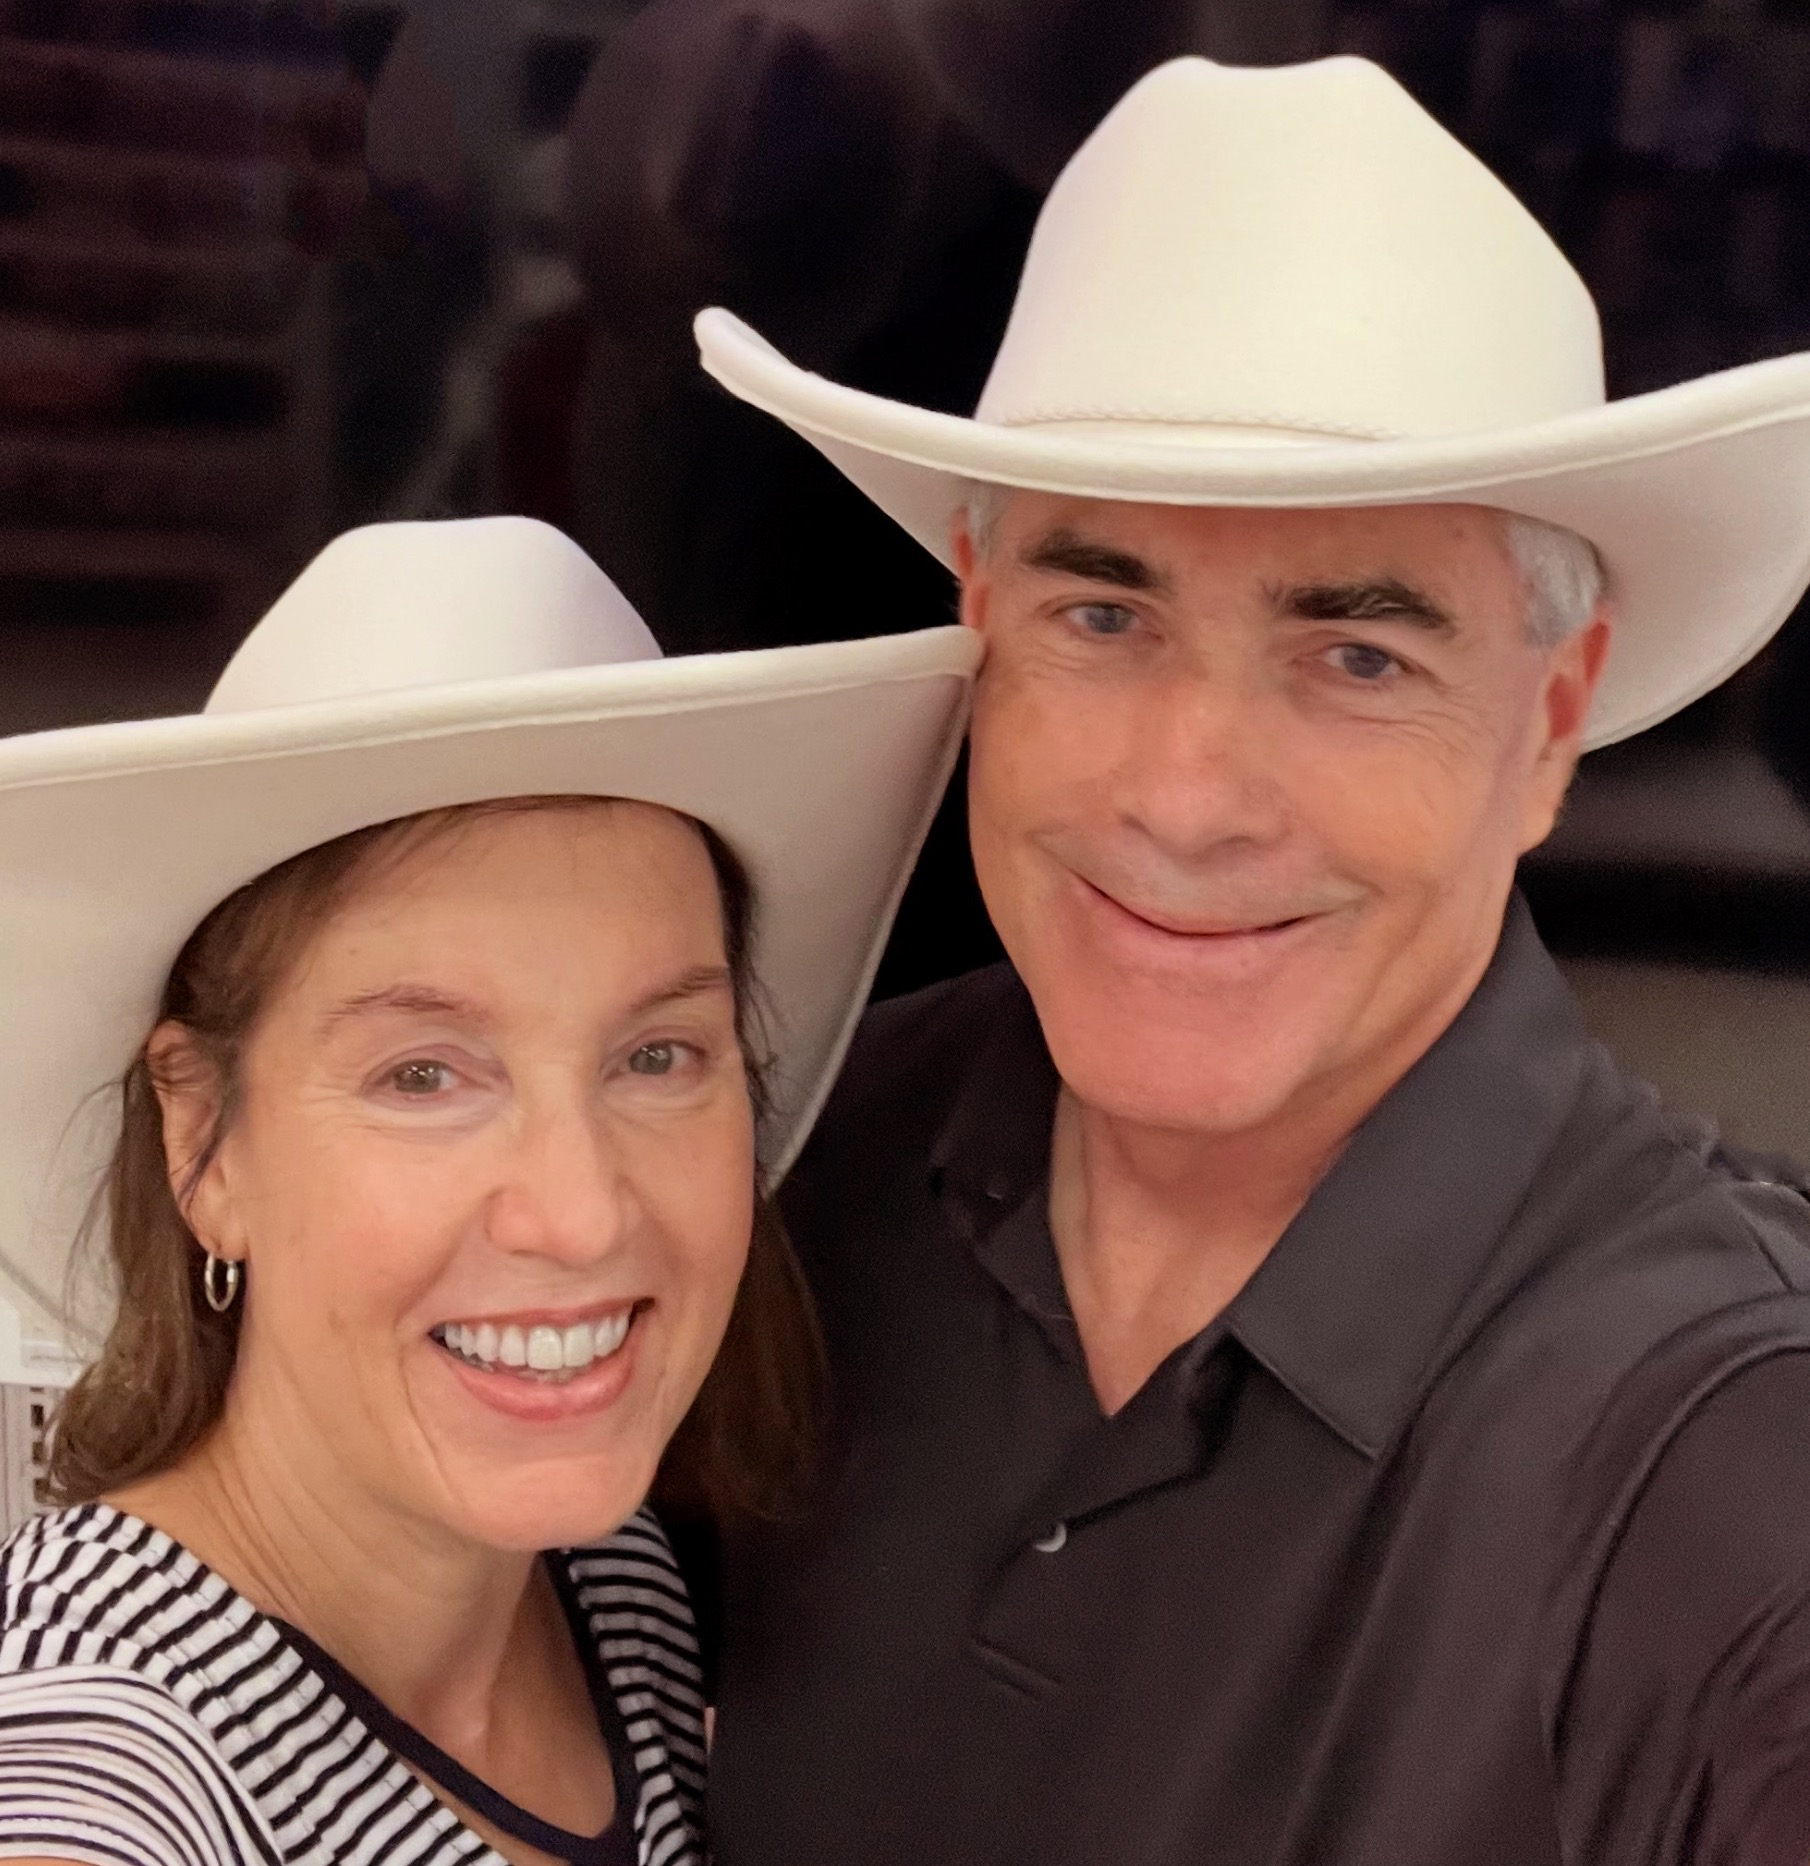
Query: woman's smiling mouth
546, 1351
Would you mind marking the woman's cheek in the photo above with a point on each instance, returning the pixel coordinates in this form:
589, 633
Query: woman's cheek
378, 1230
709, 1201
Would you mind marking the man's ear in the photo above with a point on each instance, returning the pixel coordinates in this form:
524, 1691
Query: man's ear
1572, 673
970, 573
190, 1097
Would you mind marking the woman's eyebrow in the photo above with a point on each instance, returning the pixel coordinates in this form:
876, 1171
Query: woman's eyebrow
413, 1000
696, 982
410, 1000
1363, 599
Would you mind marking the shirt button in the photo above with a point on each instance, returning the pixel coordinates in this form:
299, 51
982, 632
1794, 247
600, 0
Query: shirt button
1053, 1542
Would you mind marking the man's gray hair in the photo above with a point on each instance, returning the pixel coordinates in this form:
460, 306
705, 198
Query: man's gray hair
1561, 572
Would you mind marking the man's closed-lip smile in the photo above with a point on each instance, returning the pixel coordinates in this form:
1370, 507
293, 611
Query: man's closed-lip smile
1192, 941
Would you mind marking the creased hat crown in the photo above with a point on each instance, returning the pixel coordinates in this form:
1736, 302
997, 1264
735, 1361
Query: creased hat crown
1301, 252
396, 606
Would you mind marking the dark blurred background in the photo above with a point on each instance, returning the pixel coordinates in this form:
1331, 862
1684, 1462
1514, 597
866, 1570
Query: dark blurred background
269, 270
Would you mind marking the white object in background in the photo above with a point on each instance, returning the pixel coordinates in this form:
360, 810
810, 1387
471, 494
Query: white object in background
33, 1372
24, 1417
32, 1356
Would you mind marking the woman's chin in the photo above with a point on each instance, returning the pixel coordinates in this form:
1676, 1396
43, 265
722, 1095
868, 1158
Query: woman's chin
552, 1506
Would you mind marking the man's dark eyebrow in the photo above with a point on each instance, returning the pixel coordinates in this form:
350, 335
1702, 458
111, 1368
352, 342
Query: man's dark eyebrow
1068, 554
412, 1000
1364, 599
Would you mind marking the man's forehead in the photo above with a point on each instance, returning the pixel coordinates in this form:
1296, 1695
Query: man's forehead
1028, 520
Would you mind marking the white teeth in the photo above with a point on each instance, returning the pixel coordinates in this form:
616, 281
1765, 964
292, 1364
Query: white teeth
542, 1349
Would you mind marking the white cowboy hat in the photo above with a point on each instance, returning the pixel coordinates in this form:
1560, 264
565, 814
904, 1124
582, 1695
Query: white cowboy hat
410, 667
1290, 287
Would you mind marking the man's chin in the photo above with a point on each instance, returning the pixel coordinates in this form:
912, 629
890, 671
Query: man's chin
1168, 1066
1217, 1110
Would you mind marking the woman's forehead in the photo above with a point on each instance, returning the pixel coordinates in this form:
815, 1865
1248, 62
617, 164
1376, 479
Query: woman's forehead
582, 898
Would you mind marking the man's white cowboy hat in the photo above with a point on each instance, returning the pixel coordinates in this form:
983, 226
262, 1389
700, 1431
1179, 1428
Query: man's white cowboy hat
1290, 287
410, 667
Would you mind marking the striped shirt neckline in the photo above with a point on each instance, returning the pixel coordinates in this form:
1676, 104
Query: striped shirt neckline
149, 1712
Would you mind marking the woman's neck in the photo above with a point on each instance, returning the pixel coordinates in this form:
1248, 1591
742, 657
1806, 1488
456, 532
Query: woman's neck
432, 1624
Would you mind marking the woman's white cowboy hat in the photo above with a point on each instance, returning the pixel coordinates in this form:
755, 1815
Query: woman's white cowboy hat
410, 667
1290, 287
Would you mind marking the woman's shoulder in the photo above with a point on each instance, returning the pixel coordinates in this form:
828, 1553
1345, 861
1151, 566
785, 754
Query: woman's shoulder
102, 1755
93, 1581
72, 1567
634, 1599
99, 1763
98, 1604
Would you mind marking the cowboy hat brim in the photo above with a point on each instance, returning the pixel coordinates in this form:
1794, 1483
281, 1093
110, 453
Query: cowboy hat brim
1697, 496
820, 766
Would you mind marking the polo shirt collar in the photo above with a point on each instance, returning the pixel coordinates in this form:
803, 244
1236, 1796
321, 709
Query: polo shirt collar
1350, 1309
994, 1147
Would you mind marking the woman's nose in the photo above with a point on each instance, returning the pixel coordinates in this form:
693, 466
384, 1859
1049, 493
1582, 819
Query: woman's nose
565, 1193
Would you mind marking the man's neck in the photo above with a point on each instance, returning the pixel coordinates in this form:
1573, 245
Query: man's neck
1158, 1228
1156, 1231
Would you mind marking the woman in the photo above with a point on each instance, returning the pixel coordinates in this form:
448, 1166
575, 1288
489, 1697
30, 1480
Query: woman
428, 975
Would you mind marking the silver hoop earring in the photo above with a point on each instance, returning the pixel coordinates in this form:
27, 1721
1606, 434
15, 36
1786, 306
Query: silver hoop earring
219, 1293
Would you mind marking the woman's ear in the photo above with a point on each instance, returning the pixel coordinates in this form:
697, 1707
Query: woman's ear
191, 1097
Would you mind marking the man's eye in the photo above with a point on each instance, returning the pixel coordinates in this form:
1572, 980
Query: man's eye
420, 1077
1363, 662
1102, 618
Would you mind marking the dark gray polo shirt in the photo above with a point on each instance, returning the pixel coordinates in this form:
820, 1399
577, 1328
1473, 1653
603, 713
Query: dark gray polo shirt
1476, 1532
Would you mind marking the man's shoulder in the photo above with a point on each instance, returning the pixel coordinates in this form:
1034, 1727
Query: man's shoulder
910, 1062
912, 1052
1631, 1192
1649, 1263
1695, 1187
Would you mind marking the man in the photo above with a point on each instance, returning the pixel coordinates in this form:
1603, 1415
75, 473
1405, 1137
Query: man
1296, 1402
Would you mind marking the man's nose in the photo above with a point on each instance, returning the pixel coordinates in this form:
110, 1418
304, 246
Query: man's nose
1200, 766
564, 1193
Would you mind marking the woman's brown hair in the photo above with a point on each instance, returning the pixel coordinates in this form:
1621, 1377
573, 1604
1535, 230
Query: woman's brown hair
160, 1381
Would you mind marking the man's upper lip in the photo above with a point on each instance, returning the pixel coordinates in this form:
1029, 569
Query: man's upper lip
1197, 929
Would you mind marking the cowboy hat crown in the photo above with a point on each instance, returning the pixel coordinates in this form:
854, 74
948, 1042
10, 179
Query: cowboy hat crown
419, 604
1328, 265
1290, 287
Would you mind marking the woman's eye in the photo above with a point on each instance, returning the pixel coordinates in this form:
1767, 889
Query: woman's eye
419, 1077
1102, 618
1363, 662
654, 1059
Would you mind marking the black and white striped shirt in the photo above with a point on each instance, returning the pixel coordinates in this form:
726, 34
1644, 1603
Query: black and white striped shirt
152, 1716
